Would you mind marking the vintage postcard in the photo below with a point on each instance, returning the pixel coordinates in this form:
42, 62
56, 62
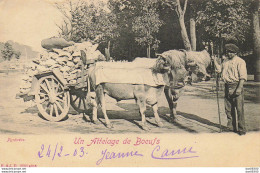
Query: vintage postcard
129, 83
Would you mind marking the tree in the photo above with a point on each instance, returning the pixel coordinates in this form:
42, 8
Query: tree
256, 37
88, 21
181, 12
138, 22
125, 11
227, 19
120, 24
193, 8
7, 52
95, 23
67, 9
146, 25
193, 34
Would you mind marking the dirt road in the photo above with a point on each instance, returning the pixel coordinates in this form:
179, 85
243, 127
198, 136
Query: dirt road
197, 113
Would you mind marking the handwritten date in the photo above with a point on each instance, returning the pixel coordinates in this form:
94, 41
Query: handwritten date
59, 152
158, 152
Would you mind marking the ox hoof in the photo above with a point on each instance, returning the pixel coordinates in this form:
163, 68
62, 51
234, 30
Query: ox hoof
96, 122
145, 127
159, 123
110, 126
172, 120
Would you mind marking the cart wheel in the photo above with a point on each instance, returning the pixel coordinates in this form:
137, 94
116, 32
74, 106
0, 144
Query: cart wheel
78, 99
52, 100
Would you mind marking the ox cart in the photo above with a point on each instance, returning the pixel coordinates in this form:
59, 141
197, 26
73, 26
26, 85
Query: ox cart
53, 95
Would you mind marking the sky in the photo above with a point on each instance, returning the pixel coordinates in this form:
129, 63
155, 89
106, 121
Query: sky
28, 21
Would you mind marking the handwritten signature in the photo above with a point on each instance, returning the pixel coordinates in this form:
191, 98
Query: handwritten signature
113, 155
157, 153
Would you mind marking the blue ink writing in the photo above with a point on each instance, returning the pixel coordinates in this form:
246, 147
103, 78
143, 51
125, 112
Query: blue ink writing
112, 155
40, 153
49, 153
184, 153
55, 152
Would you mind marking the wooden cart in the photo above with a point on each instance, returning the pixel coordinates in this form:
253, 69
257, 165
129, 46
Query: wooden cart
53, 95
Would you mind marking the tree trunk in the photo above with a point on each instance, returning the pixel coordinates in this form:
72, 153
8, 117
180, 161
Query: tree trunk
180, 14
193, 34
256, 38
184, 34
108, 45
221, 46
130, 51
149, 51
107, 51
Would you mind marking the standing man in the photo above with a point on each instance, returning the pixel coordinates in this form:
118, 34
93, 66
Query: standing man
233, 72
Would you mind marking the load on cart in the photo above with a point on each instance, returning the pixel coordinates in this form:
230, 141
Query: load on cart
58, 77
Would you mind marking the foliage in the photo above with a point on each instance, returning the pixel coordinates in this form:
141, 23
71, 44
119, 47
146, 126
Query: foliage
138, 22
67, 8
125, 11
226, 17
94, 22
8, 52
87, 21
147, 24
133, 25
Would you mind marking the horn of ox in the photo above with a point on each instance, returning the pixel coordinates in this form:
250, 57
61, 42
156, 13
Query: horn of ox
191, 64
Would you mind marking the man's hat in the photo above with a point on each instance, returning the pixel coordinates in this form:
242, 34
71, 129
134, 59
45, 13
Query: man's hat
231, 48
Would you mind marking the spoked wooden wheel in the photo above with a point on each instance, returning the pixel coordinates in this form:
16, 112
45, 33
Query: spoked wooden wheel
52, 100
78, 99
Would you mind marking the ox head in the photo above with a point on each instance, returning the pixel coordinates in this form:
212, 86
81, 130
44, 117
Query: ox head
176, 75
199, 71
174, 62
197, 64
162, 64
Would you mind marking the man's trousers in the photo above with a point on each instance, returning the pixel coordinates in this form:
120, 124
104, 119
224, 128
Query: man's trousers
234, 105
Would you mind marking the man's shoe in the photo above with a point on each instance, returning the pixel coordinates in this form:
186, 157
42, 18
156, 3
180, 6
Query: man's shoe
241, 133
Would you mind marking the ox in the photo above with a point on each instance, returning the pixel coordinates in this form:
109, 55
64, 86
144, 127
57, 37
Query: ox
182, 63
143, 94
173, 65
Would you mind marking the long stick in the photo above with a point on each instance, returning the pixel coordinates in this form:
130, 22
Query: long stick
217, 89
236, 119
220, 53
